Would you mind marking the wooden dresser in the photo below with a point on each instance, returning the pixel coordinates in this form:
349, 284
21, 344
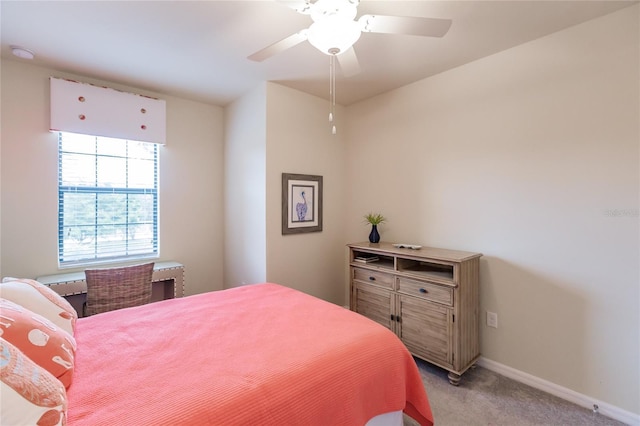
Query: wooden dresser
429, 297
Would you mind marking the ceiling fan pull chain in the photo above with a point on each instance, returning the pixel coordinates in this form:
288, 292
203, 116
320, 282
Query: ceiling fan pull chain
331, 86
332, 91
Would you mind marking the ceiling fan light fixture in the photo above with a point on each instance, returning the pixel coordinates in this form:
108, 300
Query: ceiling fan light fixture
334, 35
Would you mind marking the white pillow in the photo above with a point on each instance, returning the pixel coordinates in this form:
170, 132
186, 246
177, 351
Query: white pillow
40, 299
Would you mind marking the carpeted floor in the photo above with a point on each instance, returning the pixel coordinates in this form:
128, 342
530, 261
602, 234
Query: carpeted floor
487, 398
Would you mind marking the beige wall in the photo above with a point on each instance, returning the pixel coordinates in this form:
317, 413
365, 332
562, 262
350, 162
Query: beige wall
270, 131
299, 141
524, 156
245, 188
191, 174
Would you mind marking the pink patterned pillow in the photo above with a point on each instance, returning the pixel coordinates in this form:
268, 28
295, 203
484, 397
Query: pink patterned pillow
30, 394
38, 338
40, 299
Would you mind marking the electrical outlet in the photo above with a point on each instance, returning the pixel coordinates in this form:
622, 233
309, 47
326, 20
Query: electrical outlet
492, 319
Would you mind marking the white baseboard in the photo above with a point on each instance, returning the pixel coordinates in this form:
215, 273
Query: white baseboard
604, 408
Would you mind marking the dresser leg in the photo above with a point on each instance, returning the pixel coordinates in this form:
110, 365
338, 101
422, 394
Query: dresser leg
454, 378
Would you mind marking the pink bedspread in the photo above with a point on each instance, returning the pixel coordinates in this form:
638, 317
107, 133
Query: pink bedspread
256, 355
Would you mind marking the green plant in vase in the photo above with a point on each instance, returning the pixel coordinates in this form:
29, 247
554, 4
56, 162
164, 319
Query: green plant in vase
374, 219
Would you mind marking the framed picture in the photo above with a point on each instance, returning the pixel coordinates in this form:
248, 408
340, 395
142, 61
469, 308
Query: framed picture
301, 203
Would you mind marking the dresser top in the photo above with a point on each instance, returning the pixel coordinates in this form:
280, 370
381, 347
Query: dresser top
423, 252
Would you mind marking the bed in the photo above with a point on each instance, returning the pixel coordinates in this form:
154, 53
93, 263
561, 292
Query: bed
262, 354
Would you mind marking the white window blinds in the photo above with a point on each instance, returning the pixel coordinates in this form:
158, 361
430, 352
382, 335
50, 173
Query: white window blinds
107, 199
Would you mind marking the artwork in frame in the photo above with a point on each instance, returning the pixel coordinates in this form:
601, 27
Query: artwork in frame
301, 203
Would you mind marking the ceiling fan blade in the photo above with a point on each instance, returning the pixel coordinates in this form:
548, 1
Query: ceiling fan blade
280, 46
349, 62
410, 25
300, 6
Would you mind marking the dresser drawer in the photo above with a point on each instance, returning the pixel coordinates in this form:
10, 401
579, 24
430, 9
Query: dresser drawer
434, 292
374, 277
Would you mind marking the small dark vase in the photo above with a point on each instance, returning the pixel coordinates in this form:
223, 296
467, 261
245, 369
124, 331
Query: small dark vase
374, 236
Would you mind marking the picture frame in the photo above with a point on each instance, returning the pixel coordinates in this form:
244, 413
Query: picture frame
301, 203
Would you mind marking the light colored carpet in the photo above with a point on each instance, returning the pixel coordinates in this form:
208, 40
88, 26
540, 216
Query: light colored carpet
487, 398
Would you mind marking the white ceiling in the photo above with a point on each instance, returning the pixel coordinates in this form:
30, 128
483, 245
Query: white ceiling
199, 49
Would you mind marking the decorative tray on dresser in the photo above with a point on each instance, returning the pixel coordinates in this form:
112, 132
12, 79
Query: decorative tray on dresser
428, 296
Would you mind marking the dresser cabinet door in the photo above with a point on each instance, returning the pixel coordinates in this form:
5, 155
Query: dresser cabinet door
426, 329
374, 303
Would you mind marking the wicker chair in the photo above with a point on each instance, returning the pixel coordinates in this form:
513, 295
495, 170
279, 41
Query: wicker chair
116, 288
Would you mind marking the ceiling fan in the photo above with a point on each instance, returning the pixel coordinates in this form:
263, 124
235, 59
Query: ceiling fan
334, 30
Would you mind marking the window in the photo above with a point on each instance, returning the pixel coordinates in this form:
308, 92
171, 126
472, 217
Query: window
107, 199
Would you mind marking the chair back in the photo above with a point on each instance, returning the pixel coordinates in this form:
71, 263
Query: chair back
109, 289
